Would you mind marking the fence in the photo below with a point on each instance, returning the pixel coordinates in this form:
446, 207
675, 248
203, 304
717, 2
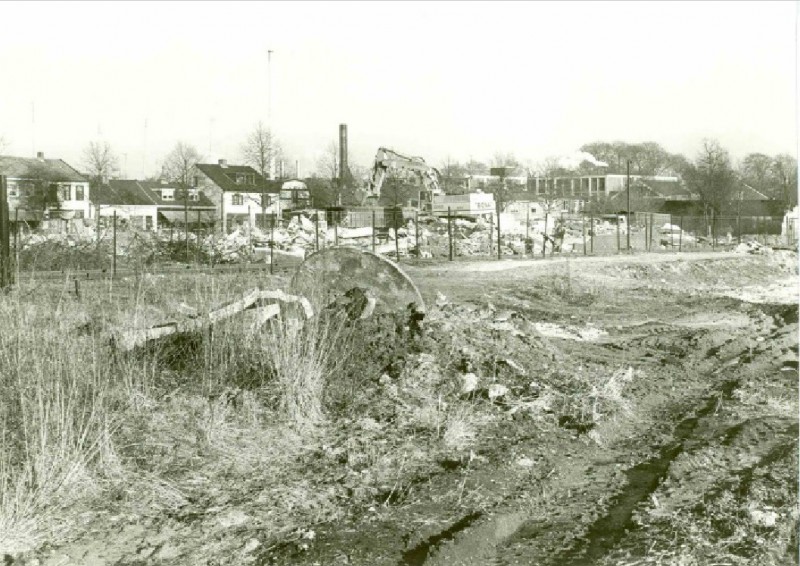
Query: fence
397, 233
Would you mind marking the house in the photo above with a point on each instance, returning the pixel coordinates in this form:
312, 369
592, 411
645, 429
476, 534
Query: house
48, 191
150, 205
239, 193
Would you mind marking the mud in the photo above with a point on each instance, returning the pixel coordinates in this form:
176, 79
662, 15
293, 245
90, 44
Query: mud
709, 415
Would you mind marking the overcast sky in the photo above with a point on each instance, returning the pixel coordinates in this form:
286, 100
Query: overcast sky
458, 79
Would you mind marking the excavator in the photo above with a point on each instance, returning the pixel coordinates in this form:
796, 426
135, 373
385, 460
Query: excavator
387, 159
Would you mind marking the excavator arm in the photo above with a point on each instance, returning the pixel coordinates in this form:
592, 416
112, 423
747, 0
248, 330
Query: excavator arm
387, 159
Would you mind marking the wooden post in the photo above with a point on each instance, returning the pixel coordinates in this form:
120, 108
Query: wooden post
416, 233
591, 233
544, 235
583, 229
680, 235
528, 229
16, 239
114, 245
272, 246
449, 233
316, 231
671, 234
396, 235
499, 252
373, 231
335, 217
5, 251
619, 244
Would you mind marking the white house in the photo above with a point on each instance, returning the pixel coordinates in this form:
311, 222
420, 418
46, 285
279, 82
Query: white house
63, 192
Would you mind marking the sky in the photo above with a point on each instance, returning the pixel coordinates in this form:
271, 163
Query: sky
440, 80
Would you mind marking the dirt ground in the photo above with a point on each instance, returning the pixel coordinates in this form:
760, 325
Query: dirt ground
678, 445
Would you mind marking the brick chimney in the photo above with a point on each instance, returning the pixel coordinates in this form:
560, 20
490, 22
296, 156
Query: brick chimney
40, 155
223, 163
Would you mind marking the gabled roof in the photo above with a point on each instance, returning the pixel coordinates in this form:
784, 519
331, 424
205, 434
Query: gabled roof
662, 188
32, 167
225, 178
748, 193
122, 192
154, 189
131, 192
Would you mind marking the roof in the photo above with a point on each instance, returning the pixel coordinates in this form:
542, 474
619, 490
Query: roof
748, 193
131, 192
32, 167
225, 178
122, 192
662, 188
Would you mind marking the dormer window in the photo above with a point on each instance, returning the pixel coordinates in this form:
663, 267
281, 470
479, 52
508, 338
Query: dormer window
245, 179
167, 194
194, 195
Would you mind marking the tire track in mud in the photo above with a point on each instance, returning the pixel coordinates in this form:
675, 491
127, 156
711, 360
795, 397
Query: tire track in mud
606, 532
643, 480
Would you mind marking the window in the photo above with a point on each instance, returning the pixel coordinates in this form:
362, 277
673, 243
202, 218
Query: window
79, 192
64, 192
196, 180
13, 191
237, 199
194, 195
168, 194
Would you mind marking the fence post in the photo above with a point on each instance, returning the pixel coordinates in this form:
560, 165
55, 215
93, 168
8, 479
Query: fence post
591, 233
680, 235
491, 234
5, 251
499, 250
16, 240
316, 231
416, 233
396, 235
528, 230
671, 234
619, 244
449, 234
114, 245
373, 231
335, 216
713, 231
272, 246
583, 230
544, 236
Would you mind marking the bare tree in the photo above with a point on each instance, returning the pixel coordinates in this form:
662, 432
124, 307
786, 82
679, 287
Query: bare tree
712, 178
328, 162
99, 161
180, 164
784, 174
261, 150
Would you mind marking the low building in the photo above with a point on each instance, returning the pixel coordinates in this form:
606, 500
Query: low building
151, 205
239, 193
48, 191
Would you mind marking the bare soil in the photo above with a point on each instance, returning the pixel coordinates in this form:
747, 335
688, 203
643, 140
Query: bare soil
682, 448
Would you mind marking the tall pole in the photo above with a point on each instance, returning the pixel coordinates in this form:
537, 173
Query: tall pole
628, 216
497, 206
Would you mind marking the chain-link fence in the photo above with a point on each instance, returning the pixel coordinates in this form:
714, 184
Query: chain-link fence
116, 243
